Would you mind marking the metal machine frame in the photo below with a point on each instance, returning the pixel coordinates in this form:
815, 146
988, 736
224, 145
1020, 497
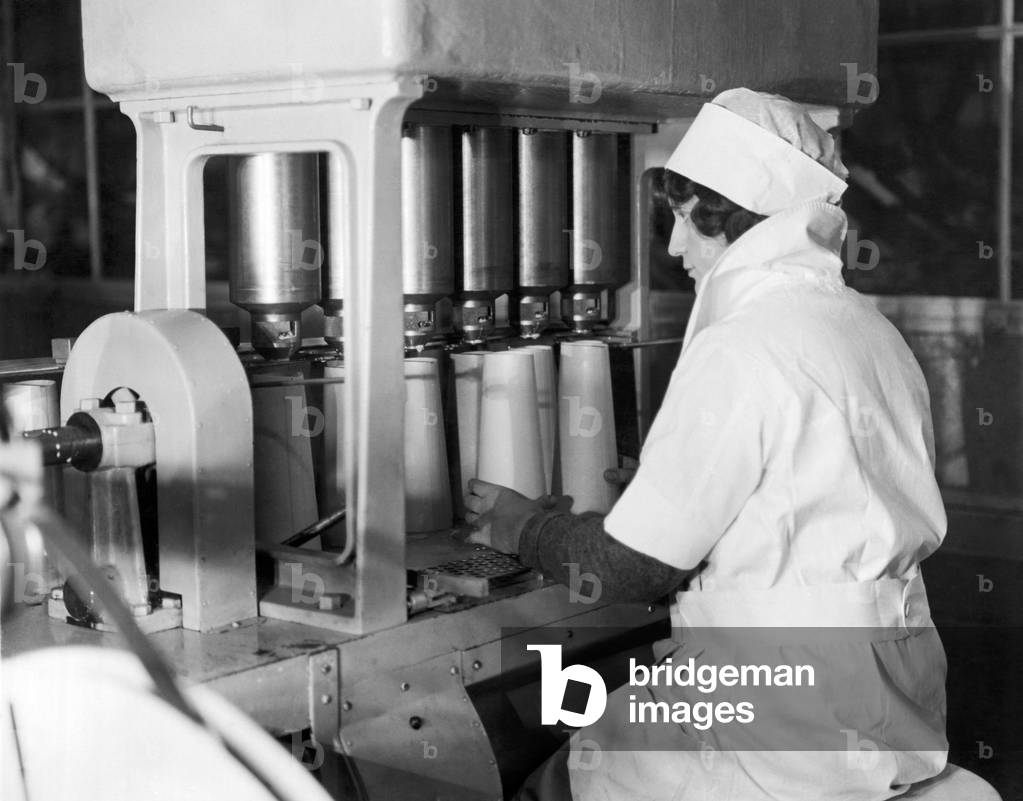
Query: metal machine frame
358, 127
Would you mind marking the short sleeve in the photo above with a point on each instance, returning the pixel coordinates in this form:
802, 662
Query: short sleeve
702, 460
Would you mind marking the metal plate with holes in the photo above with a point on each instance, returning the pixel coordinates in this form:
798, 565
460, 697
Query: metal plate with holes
324, 705
414, 734
475, 575
487, 564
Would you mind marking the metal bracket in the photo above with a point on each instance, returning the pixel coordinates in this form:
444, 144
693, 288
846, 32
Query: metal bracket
324, 706
195, 126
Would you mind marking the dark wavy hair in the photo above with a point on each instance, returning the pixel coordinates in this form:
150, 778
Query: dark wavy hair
713, 213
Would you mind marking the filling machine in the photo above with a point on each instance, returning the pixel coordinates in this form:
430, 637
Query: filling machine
421, 179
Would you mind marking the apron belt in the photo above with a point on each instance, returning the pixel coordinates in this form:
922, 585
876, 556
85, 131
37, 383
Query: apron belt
888, 608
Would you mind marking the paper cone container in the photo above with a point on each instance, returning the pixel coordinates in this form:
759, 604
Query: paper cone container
467, 369
32, 405
586, 426
427, 487
285, 482
546, 394
333, 452
510, 451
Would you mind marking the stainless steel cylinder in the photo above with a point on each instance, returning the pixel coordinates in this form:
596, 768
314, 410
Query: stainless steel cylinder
596, 234
487, 270
332, 272
598, 231
543, 224
427, 225
276, 250
488, 210
31, 404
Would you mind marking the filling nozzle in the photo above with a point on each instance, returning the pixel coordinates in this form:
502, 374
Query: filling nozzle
583, 310
334, 330
276, 336
475, 320
420, 325
534, 316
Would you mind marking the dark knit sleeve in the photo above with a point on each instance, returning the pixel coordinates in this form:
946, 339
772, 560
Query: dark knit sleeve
554, 543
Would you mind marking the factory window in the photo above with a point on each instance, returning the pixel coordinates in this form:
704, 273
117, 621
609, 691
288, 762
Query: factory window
936, 183
67, 182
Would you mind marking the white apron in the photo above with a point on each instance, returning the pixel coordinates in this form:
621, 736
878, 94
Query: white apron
878, 706
792, 461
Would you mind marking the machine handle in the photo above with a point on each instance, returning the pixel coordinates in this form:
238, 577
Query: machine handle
198, 126
79, 443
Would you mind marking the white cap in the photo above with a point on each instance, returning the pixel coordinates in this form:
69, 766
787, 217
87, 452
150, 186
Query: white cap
761, 151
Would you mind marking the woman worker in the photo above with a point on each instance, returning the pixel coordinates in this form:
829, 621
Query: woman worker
787, 485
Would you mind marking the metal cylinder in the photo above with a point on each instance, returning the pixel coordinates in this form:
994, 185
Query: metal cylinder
597, 230
79, 443
276, 251
428, 272
332, 271
543, 224
596, 236
487, 270
31, 404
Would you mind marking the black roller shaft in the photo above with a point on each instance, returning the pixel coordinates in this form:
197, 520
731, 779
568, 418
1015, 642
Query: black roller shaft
78, 443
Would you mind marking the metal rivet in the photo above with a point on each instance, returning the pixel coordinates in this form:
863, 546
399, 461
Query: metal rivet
454, 671
404, 686
326, 699
415, 722
325, 669
477, 665
346, 706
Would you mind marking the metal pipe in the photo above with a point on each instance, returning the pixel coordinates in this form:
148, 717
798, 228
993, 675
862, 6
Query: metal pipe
10, 368
650, 343
92, 184
292, 382
986, 33
312, 530
1007, 59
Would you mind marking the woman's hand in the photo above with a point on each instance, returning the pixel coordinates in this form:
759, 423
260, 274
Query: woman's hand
499, 514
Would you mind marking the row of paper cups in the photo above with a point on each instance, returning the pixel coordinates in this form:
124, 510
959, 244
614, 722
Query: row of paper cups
519, 424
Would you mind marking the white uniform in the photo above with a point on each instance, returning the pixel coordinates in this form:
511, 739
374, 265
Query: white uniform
793, 457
